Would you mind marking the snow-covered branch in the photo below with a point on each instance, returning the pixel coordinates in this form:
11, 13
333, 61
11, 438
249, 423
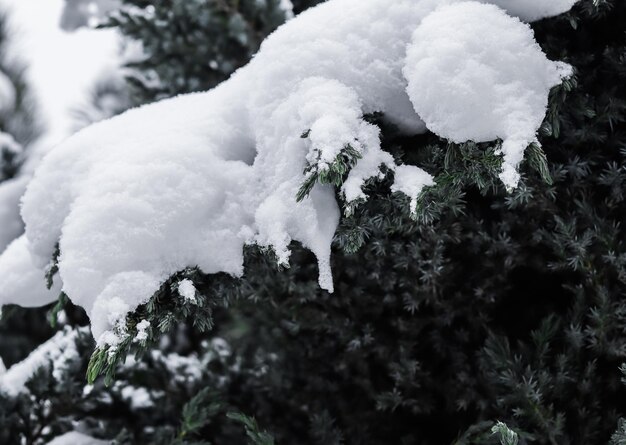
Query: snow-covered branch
191, 180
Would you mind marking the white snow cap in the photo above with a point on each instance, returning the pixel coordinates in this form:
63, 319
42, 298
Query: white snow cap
477, 74
532, 10
189, 181
187, 290
137, 397
142, 330
76, 438
411, 180
23, 283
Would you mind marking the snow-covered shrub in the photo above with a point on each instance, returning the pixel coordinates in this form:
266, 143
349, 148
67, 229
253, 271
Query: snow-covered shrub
479, 306
198, 43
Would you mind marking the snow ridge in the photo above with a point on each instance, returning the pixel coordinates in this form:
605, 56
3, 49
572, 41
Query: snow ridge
189, 181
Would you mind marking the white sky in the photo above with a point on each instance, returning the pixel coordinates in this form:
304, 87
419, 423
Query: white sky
62, 66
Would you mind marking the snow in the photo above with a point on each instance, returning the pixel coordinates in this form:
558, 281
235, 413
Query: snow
76, 438
189, 181
411, 180
183, 369
142, 330
187, 290
138, 397
56, 352
62, 67
487, 78
532, 10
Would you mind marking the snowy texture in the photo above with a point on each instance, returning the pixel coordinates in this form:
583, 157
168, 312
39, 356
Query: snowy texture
189, 181
76, 438
531, 10
62, 65
410, 180
183, 368
137, 397
142, 330
56, 352
187, 290
487, 78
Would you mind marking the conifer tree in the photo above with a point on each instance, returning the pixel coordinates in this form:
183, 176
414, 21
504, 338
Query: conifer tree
484, 317
192, 46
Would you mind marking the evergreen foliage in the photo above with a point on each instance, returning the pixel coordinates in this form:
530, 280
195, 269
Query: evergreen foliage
482, 305
507, 436
194, 45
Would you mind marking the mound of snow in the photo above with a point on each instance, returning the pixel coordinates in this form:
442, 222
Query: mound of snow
190, 180
476, 74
